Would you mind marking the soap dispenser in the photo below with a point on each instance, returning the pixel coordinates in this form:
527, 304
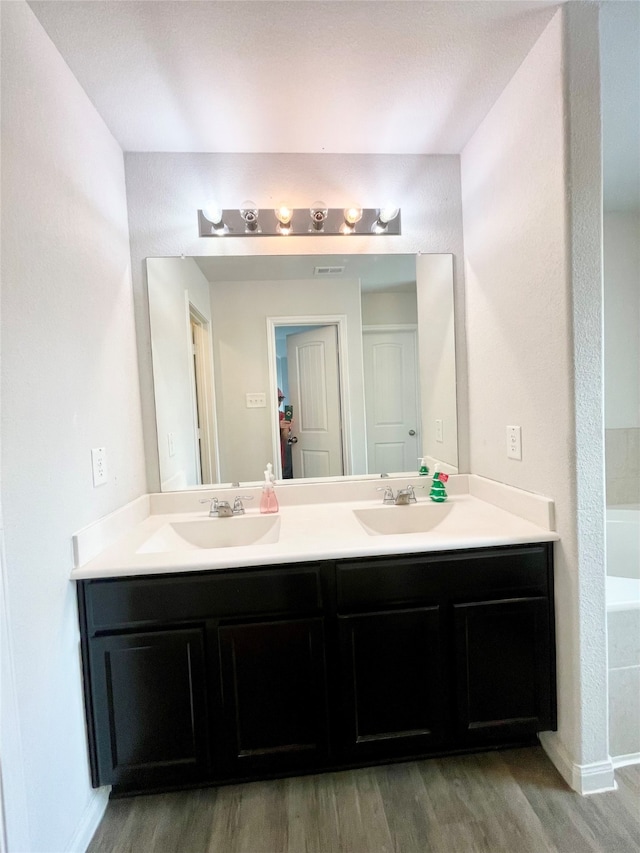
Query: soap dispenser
438, 492
268, 500
423, 470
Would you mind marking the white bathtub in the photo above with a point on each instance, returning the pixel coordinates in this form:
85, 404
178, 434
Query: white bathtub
623, 630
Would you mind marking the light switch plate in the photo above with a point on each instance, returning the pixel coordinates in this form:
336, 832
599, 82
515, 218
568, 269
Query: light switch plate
99, 465
514, 442
439, 430
256, 400
172, 444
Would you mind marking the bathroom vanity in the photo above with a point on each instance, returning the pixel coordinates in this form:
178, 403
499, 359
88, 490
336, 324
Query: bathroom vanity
252, 671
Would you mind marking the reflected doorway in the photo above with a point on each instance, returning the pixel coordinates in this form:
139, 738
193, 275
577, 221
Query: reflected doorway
391, 391
308, 386
202, 398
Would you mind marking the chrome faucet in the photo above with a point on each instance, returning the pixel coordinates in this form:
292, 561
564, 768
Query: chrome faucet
217, 508
406, 496
223, 509
238, 506
402, 498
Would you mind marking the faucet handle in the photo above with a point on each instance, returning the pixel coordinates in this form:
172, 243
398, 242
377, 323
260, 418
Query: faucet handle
387, 497
213, 504
238, 506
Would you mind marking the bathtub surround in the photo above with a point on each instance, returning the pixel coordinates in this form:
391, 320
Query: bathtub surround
623, 622
622, 355
620, 35
622, 459
623, 631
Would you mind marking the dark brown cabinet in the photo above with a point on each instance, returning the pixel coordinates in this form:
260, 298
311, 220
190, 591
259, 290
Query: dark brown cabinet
149, 708
502, 660
274, 695
392, 682
201, 678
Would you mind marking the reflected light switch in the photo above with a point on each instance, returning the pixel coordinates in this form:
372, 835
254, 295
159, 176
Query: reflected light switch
256, 400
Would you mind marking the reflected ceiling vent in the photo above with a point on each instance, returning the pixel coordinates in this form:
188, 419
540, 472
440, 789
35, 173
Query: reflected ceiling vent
328, 270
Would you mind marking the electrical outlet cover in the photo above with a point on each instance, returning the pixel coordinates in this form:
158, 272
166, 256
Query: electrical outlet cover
514, 442
99, 465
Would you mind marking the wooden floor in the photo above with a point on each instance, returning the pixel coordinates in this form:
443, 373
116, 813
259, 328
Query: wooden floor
499, 802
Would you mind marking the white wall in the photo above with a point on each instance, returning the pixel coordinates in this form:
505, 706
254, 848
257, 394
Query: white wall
436, 352
69, 383
383, 309
239, 311
174, 283
622, 319
164, 192
531, 285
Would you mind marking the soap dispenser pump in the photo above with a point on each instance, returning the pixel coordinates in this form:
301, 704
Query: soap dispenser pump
423, 471
268, 500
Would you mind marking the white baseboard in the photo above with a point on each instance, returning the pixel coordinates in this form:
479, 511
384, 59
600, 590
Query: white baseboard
586, 779
89, 821
626, 760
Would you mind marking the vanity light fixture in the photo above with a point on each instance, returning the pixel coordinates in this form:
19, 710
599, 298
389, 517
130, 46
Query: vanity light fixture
282, 221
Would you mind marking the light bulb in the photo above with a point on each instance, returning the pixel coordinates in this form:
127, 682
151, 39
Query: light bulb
318, 213
352, 215
212, 213
283, 214
386, 214
249, 212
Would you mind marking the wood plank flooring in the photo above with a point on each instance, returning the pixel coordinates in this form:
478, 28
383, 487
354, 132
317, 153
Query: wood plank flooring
497, 802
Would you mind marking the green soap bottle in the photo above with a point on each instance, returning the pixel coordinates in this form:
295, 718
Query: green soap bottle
423, 470
438, 492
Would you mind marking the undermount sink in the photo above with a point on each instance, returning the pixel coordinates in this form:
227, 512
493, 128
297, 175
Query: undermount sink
415, 518
213, 533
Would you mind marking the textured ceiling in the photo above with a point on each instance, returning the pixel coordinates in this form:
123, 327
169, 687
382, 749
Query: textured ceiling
376, 272
348, 76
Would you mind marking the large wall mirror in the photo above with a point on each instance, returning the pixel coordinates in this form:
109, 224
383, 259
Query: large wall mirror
325, 365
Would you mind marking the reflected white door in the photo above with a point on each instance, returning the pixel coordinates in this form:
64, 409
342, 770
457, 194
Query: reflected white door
391, 401
314, 389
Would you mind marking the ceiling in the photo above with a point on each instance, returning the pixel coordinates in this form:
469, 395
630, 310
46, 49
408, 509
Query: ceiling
347, 76
376, 272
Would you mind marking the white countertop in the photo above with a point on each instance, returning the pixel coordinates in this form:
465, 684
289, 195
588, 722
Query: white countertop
323, 531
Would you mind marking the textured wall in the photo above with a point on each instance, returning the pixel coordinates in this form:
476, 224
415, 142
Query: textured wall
165, 190
239, 311
532, 280
69, 383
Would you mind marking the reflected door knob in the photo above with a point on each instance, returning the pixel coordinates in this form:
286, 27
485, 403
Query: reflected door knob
412, 432
293, 439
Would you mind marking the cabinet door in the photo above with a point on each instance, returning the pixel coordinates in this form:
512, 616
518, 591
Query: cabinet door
149, 708
274, 695
393, 686
504, 669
